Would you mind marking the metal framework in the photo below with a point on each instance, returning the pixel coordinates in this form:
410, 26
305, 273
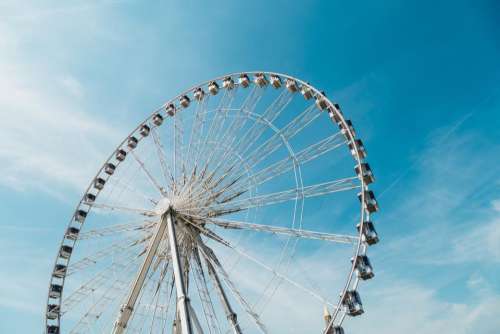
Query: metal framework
156, 240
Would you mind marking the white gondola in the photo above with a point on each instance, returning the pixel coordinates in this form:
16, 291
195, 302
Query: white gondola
65, 251
132, 142
52, 311
244, 80
55, 290
72, 233
157, 119
275, 81
369, 234
352, 302
365, 173
80, 216
370, 204
120, 155
59, 271
347, 127
321, 101
90, 198
109, 168
228, 83
199, 94
306, 92
184, 101
145, 130
213, 88
291, 85
52, 329
99, 183
334, 112
170, 109
260, 79
360, 147
363, 267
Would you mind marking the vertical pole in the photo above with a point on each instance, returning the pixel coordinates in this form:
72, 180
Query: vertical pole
182, 299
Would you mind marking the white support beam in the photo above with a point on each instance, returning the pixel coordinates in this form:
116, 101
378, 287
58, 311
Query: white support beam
230, 314
299, 233
127, 309
182, 299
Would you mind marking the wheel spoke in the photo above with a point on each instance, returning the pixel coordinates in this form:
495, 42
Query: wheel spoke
224, 205
115, 248
206, 301
231, 224
310, 153
116, 229
150, 176
98, 281
111, 294
282, 276
196, 132
258, 128
110, 207
162, 157
216, 268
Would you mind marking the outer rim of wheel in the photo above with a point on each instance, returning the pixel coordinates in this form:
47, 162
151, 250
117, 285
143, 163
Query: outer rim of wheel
352, 282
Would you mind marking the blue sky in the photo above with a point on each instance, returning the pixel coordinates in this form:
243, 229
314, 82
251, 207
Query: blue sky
420, 82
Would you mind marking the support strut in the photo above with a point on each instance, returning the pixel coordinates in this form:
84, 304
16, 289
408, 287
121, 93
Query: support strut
166, 225
128, 307
230, 314
182, 299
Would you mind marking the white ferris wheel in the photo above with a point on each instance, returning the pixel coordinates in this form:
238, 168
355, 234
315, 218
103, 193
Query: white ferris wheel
239, 206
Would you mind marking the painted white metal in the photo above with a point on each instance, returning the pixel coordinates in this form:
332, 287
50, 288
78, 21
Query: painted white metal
347, 239
127, 309
182, 299
270, 146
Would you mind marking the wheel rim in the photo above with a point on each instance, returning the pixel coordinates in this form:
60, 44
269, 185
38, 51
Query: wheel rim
219, 146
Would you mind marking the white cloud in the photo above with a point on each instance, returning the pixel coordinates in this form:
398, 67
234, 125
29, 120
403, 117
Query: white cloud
48, 141
72, 86
480, 242
397, 307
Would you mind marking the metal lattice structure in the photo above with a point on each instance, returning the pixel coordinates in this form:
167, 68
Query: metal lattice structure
197, 222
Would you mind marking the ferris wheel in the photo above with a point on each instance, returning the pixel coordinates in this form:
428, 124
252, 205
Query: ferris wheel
239, 206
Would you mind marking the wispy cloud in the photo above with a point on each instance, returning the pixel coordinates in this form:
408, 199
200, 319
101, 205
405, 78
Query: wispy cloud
46, 140
400, 306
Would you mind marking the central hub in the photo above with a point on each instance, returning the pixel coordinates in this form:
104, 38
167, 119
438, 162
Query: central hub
163, 206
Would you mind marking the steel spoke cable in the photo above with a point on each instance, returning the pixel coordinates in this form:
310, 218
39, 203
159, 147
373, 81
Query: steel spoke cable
93, 258
83, 291
214, 263
150, 177
162, 156
217, 123
314, 294
94, 312
281, 196
110, 207
196, 131
206, 191
230, 135
299, 233
204, 295
259, 126
115, 229
310, 153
